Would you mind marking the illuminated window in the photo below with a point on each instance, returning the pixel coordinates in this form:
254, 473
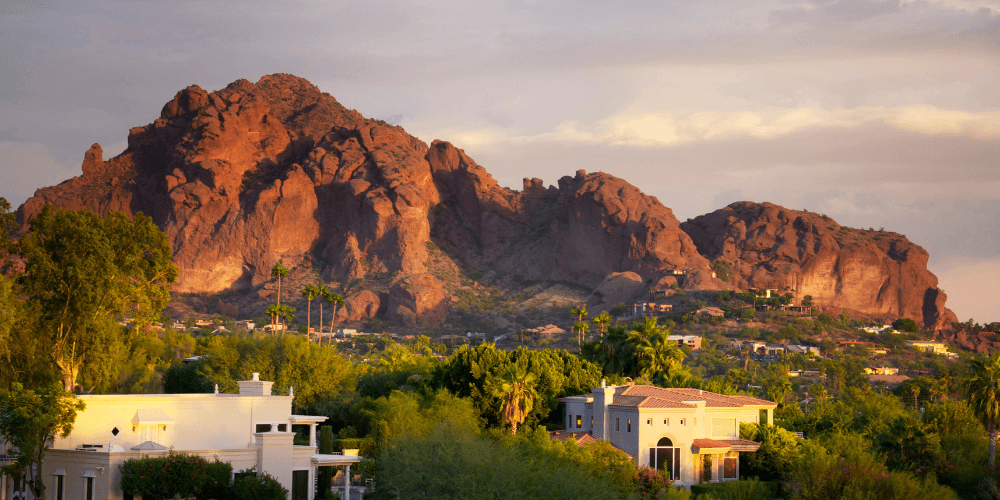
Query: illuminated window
579, 421
628, 423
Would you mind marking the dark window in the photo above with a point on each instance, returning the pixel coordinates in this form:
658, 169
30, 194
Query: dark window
282, 427
616, 425
667, 458
263, 428
114, 432
763, 416
59, 487
729, 468
90, 488
300, 485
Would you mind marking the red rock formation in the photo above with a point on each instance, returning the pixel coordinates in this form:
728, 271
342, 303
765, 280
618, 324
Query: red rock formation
418, 300
872, 272
258, 173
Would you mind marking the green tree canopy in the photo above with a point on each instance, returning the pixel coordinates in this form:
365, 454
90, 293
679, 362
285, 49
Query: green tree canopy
983, 389
29, 420
83, 273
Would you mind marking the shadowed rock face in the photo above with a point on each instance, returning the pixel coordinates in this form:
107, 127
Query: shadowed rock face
277, 171
873, 272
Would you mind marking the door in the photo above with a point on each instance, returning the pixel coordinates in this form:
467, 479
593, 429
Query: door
300, 485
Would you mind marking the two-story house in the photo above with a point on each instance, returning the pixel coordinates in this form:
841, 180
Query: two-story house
251, 429
679, 431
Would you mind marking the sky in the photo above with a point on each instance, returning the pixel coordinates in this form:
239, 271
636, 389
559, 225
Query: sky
878, 114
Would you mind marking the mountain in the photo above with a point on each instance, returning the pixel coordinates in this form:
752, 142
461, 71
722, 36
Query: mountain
278, 171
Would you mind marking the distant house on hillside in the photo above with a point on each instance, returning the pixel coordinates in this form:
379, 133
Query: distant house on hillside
692, 341
802, 349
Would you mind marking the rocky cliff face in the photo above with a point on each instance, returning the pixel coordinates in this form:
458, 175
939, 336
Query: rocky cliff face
277, 171
872, 272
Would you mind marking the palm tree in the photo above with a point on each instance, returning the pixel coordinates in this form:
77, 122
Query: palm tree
310, 292
580, 312
983, 389
517, 391
602, 320
658, 356
273, 311
279, 271
322, 294
336, 299
580, 327
285, 312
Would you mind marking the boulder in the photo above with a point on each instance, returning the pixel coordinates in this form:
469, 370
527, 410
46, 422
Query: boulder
418, 300
359, 306
616, 288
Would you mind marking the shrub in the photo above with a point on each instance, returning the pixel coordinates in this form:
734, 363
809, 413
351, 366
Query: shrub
254, 487
746, 489
175, 474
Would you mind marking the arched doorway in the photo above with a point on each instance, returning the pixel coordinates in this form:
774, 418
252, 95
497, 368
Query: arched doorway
667, 458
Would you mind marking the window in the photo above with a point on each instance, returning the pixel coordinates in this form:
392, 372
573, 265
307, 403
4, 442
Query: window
667, 458
763, 416
649, 421
90, 488
263, 428
666, 421
682, 421
59, 487
282, 427
579, 421
591, 421
729, 468
616, 425
628, 424
300, 484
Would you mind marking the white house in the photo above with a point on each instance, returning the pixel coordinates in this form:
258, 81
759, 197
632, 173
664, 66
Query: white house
671, 429
252, 429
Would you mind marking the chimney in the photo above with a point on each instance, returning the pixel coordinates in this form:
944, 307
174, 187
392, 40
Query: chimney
603, 397
255, 386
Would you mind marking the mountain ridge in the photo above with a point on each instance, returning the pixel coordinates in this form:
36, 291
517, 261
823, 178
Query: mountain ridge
278, 171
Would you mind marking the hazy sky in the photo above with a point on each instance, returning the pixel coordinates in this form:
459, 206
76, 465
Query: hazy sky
879, 114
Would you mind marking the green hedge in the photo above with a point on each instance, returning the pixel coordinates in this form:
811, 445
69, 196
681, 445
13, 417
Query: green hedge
747, 489
175, 474
254, 487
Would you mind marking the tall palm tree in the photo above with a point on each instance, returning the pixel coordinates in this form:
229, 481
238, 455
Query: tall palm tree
579, 312
517, 392
279, 271
983, 389
602, 320
323, 293
286, 313
336, 299
581, 328
310, 292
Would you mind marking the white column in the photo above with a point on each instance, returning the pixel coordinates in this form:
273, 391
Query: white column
311, 495
312, 435
347, 482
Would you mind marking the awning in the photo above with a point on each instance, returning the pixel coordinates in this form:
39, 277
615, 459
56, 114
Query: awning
323, 459
151, 416
704, 446
149, 446
742, 444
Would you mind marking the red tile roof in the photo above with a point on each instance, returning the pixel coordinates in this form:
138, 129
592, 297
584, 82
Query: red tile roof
647, 396
702, 445
582, 438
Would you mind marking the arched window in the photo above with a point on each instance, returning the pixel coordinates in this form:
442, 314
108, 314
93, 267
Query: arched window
667, 458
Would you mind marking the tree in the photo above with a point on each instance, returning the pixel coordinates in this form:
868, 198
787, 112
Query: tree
983, 390
310, 292
336, 299
83, 273
518, 394
659, 357
723, 270
602, 320
323, 293
581, 328
8, 224
273, 311
29, 420
279, 271
906, 325
579, 312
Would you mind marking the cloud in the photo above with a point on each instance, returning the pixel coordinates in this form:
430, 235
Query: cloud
26, 167
971, 287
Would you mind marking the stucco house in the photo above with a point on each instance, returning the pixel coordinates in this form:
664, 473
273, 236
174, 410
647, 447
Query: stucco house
251, 429
671, 429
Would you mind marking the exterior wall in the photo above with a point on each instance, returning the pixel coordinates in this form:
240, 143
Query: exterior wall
107, 482
622, 438
201, 421
275, 455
